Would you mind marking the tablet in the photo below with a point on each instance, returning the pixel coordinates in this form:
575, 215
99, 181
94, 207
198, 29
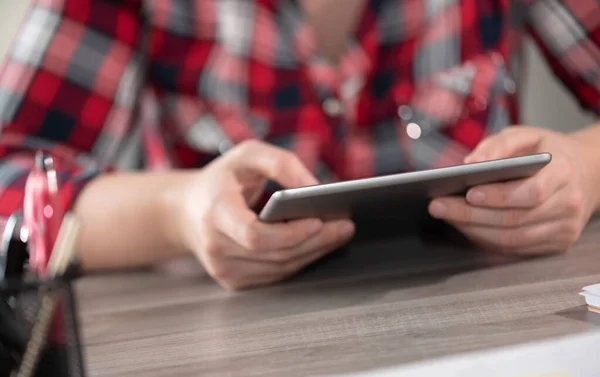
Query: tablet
394, 192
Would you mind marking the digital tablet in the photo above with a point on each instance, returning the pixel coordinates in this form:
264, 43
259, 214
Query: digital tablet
394, 192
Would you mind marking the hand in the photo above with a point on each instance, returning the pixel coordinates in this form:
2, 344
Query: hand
236, 249
541, 214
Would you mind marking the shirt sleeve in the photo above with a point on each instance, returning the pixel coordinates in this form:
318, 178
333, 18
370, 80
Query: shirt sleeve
68, 86
568, 34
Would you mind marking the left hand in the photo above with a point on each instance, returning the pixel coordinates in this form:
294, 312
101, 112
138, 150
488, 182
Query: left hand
541, 214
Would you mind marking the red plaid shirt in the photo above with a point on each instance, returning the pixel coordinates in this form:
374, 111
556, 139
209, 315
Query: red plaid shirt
421, 82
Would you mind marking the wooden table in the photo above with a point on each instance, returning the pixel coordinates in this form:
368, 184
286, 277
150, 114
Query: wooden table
376, 304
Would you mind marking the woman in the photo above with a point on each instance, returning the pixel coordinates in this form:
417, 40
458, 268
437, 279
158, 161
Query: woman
226, 94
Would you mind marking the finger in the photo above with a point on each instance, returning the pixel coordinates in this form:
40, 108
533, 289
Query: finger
263, 273
513, 141
458, 210
332, 243
241, 273
517, 240
227, 263
522, 193
276, 164
333, 232
234, 219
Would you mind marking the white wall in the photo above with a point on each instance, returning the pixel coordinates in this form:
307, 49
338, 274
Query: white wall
541, 87
11, 14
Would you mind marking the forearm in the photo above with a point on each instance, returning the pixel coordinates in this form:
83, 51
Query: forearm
589, 138
125, 220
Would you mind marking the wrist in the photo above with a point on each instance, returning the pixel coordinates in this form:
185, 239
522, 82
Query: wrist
173, 209
127, 221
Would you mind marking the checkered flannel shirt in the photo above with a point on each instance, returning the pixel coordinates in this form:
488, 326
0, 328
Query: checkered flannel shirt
420, 83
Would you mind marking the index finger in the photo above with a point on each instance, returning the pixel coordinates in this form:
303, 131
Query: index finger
234, 219
276, 164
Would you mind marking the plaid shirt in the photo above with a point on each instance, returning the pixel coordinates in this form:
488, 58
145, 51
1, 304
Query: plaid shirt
420, 83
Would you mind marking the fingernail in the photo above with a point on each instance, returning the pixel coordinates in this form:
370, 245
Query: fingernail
347, 229
475, 196
315, 226
437, 209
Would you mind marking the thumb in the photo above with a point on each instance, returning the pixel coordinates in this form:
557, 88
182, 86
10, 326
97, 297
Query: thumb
276, 164
512, 142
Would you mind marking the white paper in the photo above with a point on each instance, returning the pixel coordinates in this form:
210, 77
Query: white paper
591, 300
592, 295
592, 289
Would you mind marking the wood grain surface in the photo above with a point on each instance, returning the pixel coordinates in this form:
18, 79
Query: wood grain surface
375, 304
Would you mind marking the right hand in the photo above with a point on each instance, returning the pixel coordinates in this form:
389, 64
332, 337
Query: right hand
215, 220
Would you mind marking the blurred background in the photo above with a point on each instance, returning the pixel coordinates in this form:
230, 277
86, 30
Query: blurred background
541, 87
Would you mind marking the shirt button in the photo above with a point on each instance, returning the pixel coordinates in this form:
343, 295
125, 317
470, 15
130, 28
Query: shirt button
332, 107
405, 112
